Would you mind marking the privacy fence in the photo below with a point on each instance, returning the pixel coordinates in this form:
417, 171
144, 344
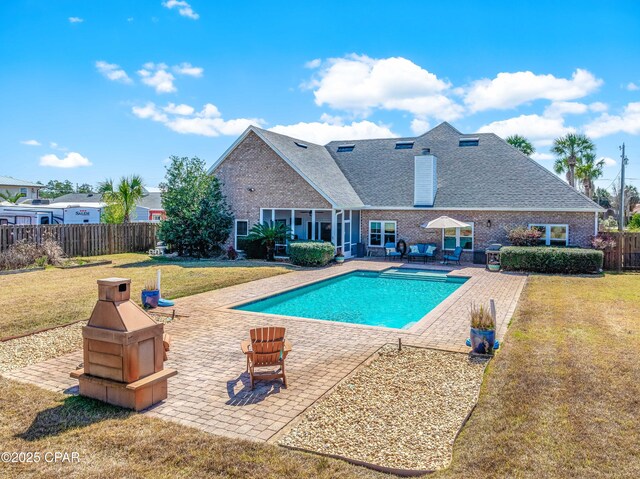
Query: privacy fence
625, 255
85, 240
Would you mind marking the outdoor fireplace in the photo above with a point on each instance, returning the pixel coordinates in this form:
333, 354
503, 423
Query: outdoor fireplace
123, 351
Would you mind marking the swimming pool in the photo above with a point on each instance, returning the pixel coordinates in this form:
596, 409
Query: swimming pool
394, 298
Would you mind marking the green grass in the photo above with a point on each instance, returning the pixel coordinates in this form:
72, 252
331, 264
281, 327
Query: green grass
54, 297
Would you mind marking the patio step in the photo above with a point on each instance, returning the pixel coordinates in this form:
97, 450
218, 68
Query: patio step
416, 276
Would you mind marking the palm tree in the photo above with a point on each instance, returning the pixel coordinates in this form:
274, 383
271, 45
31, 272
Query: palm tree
588, 170
569, 150
521, 143
269, 234
125, 195
11, 198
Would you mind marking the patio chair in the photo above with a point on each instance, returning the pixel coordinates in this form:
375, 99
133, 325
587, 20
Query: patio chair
266, 348
455, 256
422, 250
390, 251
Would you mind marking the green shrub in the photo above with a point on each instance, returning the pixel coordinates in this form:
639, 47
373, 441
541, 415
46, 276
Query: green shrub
308, 253
541, 259
253, 248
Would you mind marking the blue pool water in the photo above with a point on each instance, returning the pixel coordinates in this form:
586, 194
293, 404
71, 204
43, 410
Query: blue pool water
394, 298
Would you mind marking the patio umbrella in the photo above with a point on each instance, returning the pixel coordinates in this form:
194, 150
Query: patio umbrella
444, 222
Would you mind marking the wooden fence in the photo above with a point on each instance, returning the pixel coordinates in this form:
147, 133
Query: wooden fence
625, 255
85, 240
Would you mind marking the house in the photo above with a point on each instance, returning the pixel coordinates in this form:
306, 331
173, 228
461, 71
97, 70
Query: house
14, 186
371, 192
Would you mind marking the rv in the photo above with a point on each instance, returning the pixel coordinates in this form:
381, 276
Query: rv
51, 214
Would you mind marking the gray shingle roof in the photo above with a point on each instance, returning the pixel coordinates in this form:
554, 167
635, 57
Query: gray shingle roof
11, 181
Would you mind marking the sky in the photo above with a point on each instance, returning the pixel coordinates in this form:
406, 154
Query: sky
91, 90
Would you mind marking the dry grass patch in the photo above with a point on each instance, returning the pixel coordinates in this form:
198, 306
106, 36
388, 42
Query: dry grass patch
561, 399
55, 297
113, 442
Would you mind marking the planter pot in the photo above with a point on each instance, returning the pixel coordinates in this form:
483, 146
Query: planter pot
482, 341
150, 298
494, 267
339, 259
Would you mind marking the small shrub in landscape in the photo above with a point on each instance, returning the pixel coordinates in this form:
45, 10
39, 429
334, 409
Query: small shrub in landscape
603, 241
610, 223
634, 222
253, 248
481, 317
307, 253
232, 254
521, 236
24, 254
544, 259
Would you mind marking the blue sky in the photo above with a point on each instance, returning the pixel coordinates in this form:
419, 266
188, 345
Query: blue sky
102, 89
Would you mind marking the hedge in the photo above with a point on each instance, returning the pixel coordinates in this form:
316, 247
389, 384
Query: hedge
542, 259
308, 253
253, 249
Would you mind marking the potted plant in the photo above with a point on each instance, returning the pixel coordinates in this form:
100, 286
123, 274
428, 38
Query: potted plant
493, 265
150, 294
339, 257
483, 329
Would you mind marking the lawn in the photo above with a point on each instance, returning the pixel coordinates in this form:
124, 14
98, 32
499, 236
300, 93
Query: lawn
53, 297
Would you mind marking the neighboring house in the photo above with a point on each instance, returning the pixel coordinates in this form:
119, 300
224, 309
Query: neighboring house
14, 186
378, 191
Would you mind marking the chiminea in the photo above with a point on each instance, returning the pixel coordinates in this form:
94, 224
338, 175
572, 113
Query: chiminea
123, 351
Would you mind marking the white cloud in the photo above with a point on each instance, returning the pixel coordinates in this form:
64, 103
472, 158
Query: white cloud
539, 129
113, 72
359, 84
54, 146
188, 69
157, 77
206, 122
609, 161
508, 90
419, 126
542, 156
598, 106
632, 86
627, 122
30, 142
184, 8
559, 109
313, 64
75, 20
323, 132
71, 160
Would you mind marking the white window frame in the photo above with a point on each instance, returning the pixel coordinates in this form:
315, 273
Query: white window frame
24, 191
473, 238
235, 233
382, 224
547, 229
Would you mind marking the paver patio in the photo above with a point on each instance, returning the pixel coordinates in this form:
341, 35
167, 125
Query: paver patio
211, 391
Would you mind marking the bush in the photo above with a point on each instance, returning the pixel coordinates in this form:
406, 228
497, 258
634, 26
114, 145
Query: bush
23, 254
521, 236
308, 253
610, 223
634, 222
543, 259
253, 249
603, 241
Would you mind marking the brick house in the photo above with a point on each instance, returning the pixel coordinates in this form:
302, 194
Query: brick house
382, 190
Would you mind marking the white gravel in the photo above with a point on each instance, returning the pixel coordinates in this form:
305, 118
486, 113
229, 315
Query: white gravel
401, 411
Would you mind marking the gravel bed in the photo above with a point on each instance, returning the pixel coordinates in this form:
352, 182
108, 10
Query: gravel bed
403, 410
35, 348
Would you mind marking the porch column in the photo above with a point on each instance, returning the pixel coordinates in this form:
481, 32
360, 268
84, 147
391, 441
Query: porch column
273, 216
293, 223
313, 225
334, 229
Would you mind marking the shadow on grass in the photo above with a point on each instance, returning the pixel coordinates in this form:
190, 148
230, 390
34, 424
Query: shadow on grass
74, 412
246, 396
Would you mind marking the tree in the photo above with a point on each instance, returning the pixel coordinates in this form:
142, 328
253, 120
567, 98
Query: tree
55, 188
124, 196
634, 222
588, 170
521, 143
602, 197
570, 150
631, 199
269, 234
84, 188
198, 219
11, 198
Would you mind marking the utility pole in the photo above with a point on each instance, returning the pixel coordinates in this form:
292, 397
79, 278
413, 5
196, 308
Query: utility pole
622, 211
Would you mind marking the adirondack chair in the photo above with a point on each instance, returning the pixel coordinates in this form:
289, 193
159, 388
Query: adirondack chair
266, 348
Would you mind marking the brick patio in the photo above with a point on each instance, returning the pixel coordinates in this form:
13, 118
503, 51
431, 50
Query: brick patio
211, 391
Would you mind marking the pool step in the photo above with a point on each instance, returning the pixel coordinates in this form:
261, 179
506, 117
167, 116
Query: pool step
416, 276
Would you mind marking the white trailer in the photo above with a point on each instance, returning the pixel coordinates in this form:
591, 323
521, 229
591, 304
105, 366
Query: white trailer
54, 213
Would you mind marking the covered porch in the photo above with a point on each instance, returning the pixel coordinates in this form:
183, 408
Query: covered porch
338, 226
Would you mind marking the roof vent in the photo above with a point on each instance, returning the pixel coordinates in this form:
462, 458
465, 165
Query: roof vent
345, 148
301, 145
425, 181
426, 151
469, 142
404, 145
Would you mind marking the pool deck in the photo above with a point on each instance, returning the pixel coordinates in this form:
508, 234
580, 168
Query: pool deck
211, 391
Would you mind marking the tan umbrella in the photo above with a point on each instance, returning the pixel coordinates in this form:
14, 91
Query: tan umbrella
444, 222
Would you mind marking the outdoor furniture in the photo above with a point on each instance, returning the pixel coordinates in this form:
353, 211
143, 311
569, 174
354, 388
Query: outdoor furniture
455, 256
390, 251
424, 251
266, 348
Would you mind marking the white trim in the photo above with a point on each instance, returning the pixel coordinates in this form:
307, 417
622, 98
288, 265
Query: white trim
595, 229
382, 222
235, 233
547, 226
473, 238
428, 208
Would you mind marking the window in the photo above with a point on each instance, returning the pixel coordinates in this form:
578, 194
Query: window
242, 230
345, 148
469, 142
382, 232
301, 145
454, 237
404, 145
24, 191
156, 217
553, 235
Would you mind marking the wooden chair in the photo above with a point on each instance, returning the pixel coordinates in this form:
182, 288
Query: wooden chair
266, 348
